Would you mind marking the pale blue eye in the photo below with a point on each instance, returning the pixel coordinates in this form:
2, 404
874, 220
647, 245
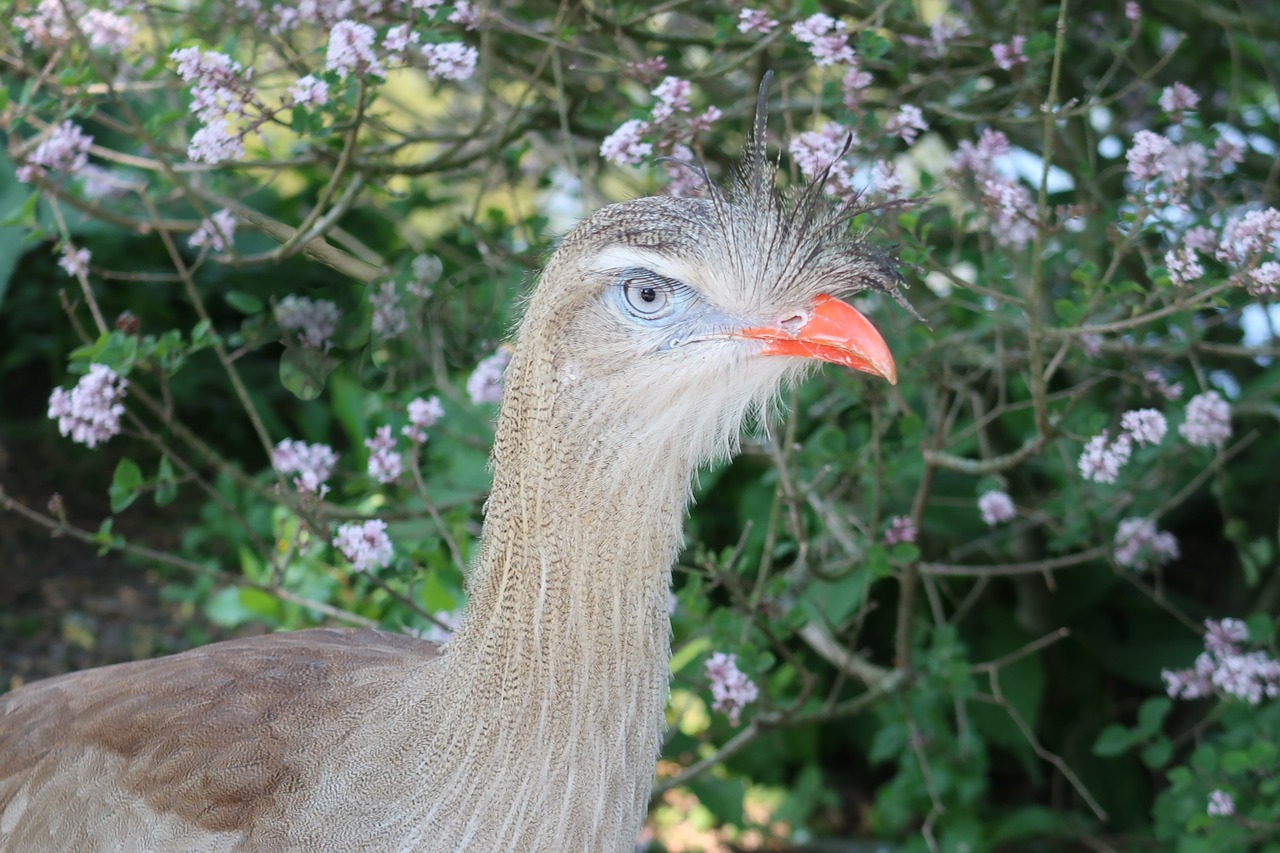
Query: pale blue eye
645, 295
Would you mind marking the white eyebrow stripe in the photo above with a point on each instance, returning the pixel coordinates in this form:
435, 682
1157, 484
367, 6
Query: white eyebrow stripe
622, 257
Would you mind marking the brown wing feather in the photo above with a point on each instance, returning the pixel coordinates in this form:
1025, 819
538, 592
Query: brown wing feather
209, 736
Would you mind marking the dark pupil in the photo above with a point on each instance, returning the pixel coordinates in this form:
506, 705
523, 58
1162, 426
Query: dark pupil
648, 294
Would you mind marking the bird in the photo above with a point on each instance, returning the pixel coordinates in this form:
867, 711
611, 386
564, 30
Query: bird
657, 329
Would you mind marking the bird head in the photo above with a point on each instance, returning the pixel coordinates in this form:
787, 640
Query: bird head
669, 320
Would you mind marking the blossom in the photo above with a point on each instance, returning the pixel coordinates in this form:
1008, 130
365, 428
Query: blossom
1177, 99
216, 232
1227, 149
996, 507
389, 318
1147, 155
350, 49
854, 81
1009, 56
464, 14
755, 21
907, 123
215, 142
48, 26
314, 320
485, 383
90, 412
451, 60
1201, 239
1264, 280
66, 149
441, 630
1138, 544
74, 261
1144, 426
311, 463
1245, 239
397, 41
1220, 804
1007, 201
942, 30
828, 42
820, 151
1133, 11
901, 529
385, 464
1208, 422
1183, 265
309, 91
1102, 459
1225, 667
623, 147
423, 415
730, 688
673, 96
426, 268
366, 545
1170, 391
685, 179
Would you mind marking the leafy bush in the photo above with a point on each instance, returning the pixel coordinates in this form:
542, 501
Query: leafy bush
936, 614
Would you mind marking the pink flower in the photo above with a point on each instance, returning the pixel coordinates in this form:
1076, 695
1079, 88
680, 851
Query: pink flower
755, 21
397, 41
1183, 265
312, 463
1133, 11
485, 383
48, 26
673, 96
1201, 239
853, 83
907, 123
385, 464
1227, 149
1177, 99
423, 415
216, 232
309, 91
1009, 56
314, 321
702, 122
1246, 239
828, 42
1102, 459
64, 150
389, 318
1226, 668
215, 142
996, 507
1162, 386
624, 147
730, 688
465, 15
350, 49
1208, 422
1147, 155
685, 179
90, 412
365, 545
1138, 544
1144, 426
451, 60
1220, 804
74, 261
819, 151
901, 529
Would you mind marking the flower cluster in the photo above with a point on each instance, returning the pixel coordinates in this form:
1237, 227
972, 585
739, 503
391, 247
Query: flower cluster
730, 688
309, 91
312, 464
366, 545
908, 122
485, 383
1103, 458
1139, 544
65, 150
629, 145
826, 37
755, 21
389, 317
1208, 422
350, 50
1224, 667
314, 320
220, 97
90, 412
385, 464
216, 232
901, 529
943, 30
75, 262
49, 25
451, 60
1007, 201
996, 507
1248, 246
423, 415
1221, 804
1010, 56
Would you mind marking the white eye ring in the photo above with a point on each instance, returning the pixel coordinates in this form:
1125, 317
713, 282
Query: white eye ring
648, 295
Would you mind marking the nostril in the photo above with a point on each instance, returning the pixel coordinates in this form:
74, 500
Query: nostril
793, 324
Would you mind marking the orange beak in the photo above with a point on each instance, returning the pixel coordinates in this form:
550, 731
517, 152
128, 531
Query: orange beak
835, 332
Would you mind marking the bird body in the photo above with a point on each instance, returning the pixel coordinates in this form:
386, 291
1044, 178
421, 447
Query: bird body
537, 726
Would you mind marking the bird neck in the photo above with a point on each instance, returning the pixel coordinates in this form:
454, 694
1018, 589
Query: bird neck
560, 666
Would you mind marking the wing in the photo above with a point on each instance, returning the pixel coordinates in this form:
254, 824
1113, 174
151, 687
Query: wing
190, 748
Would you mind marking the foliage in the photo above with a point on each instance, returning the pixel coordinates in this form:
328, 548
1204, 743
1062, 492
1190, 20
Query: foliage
956, 596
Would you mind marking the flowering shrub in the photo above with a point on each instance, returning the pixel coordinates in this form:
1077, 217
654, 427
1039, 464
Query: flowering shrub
286, 241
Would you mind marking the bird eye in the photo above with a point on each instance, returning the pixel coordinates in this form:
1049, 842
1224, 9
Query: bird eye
647, 295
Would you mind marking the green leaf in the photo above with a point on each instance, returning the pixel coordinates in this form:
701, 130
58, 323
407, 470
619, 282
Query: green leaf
1151, 715
1112, 741
125, 485
104, 538
1157, 753
166, 482
245, 302
722, 797
202, 335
